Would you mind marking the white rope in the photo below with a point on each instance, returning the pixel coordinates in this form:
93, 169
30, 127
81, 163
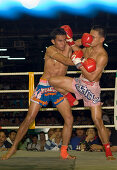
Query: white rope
51, 109
13, 110
107, 89
14, 91
15, 74
42, 127
26, 91
40, 73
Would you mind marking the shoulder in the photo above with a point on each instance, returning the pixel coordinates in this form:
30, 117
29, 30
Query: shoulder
102, 54
50, 51
102, 58
51, 48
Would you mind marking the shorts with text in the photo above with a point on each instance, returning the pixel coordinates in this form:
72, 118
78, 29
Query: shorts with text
44, 93
86, 90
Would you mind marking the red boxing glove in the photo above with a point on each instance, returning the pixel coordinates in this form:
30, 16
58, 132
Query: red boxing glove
86, 39
69, 34
89, 64
77, 58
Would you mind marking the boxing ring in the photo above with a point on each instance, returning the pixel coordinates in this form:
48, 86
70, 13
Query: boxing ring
31, 89
50, 159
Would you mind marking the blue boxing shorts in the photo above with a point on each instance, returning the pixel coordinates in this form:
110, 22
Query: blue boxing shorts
44, 93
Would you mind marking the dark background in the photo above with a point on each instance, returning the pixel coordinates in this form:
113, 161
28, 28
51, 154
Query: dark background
29, 36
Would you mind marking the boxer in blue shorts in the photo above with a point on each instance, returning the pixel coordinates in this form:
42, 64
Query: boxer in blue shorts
45, 93
57, 59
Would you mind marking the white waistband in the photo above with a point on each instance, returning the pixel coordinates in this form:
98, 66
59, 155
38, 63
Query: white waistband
44, 82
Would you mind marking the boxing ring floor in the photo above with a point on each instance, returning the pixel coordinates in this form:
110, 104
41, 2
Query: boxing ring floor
50, 160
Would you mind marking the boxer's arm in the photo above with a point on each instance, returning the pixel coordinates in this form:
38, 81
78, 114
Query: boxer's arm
100, 65
69, 35
52, 52
78, 42
78, 59
69, 38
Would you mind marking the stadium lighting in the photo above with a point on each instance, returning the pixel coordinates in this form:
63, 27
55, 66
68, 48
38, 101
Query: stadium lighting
105, 44
29, 3
5, 57
16, 58
3, 49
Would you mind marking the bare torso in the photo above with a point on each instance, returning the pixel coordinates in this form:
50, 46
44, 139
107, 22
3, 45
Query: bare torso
95, 53
53, 67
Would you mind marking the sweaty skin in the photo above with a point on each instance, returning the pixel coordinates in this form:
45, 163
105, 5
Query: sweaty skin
97, 52
57, 59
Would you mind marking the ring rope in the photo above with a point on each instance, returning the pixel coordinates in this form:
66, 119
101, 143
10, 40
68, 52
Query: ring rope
26, 91
42, 127
52, 109
40, 73
14, 91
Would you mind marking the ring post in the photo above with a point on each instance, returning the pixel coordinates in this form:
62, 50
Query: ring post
31, 90
115, 104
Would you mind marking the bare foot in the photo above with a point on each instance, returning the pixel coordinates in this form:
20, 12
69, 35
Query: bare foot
68, 157
8, 154
71, 157
109, 158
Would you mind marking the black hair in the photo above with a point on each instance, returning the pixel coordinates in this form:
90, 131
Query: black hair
57, 31
101, 30
35, 135
3, 132
12, 131
42, 132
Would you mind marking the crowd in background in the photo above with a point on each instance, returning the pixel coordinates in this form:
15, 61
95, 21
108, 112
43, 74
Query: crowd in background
20, 100
81, 140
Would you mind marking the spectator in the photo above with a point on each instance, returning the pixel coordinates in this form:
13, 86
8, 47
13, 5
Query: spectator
24, 142
91, 138
50, 132
12, 136
105, 118
34, 145
75, 141
55, 141
42, 141
112, 138
4, 145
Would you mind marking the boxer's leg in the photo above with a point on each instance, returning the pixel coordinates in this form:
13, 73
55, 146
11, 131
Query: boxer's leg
65, 110
33, 110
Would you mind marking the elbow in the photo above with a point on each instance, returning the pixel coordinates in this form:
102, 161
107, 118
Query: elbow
91, 78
